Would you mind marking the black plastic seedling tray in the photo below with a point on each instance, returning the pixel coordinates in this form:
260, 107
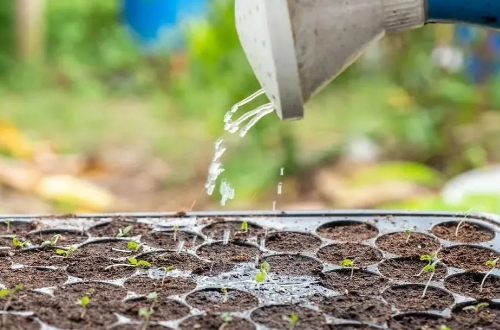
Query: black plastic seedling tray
203, 268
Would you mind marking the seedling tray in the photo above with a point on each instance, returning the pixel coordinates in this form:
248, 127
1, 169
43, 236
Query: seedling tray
205, 269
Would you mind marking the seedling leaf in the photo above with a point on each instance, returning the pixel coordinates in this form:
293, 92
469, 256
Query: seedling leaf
265, 267
169, 268
125, 231
444, 327
153, 296
83, 301
226, 317
143, 264
347, 263
18, 244
260, 277
4, 293
145, 313
133, 246
244, 226
66, 253
491, 263
133, 261
476, 308
292, 320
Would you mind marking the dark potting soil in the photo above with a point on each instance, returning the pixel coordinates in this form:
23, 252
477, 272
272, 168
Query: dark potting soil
216, 230
164, 308
292, 242
95, 268
484, 318
409, 298
16, 322
418, 322
214, 300
354, 307
33, 278
40, 258
233, 252
275, 317
23, 300
16, 228
407, 269
140, 326
181, 261
351, 327
167, 286
470, 258
363, 255
418, 244
112, 249
362, 282
293, 264
467, 233
167, 240
111, 229
66, 239
347, 231
215, 322
469, 284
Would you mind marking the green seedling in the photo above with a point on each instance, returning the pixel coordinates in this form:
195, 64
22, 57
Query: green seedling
167, 270
349, 263
145, 312
132, 262
226, 294
7, 223
226, 318
18, 244
431, 268
125, 231
261, 276
476, 308
176, 231
408, 232
52, 242
9, 294
83, 302
244, 226
66, 253
292, 320
133, 246
466, 214
265, 267
493, 265
445, 327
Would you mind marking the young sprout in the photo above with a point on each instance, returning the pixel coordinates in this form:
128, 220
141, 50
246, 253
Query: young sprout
176, 230
7, 223
225, 292
408, 231
462, 222
132, 262
476, 308
349, 263
125, 231
9, 294
18, 244
445, 327
431, 268
133, 246
52, 242
493, 265
261, 276
83, 302
292, 320
429, 258
167, 270
226, 318
244, 226
147, 312
66, 253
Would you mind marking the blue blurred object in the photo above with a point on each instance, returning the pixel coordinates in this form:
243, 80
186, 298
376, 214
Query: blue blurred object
157, 24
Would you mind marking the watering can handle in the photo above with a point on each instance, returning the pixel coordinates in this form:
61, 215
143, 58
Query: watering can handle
485, 13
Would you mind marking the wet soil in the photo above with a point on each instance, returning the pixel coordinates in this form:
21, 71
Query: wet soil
232, 252
168, 286
275, 317
363, 255
41, 258
95, 268
347, 231
181, 261
467, 233
292, 242
469, 284
418, 322
293, 264
351, 327
33, 278
362, 282
16, 228
167, 240
418, 244
113, 249
410, 270
215, 322
471, 258
164, 308
485, 318
216, 230
66, 239
409, 298
111, 229
140, 326
214, 300
15, 322
354, 307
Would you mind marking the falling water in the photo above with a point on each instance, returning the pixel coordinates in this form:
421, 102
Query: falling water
280, 188
227, 234
180, 246
282, 171
215, 169
226, 191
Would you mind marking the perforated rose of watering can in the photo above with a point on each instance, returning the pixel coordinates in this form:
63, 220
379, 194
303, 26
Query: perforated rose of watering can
296, 47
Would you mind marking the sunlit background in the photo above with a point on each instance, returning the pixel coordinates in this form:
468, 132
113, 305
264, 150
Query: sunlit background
115, 106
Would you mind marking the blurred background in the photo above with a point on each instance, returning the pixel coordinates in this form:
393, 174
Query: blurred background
115, 106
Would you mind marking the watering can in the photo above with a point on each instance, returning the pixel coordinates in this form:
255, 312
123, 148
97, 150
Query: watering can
296, 47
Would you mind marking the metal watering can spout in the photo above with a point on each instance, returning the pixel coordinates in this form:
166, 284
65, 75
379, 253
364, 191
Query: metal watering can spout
296, 47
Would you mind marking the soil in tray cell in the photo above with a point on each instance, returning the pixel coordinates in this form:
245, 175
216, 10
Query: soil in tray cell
216, 230
214, 300
65, 239
169, 240
418, 321
362, 282
16, 322
113, 249
164, 308
409, 270
351, 327
354, 307
140, 326
293, 264
181, 261
347, 231
485, 315
22, 300
46, 257
111, 229
292, 242
215, 322
467, 233
277, 317
398, 243
409, 298
471, 258
229, 253
33, 278
363, 255
469, 284
168, 286
16, 227
97, 268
